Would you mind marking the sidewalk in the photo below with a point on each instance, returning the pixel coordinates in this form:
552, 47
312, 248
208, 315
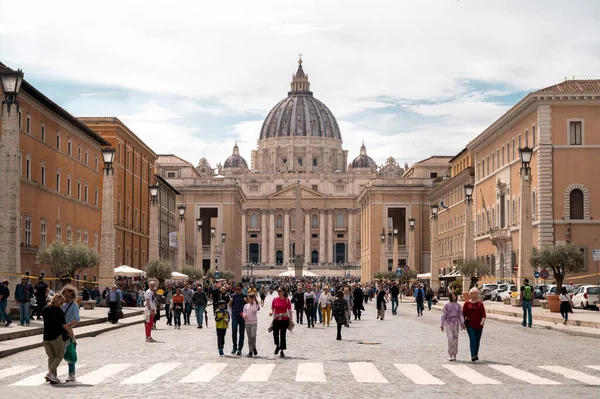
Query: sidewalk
582, 322
15, 338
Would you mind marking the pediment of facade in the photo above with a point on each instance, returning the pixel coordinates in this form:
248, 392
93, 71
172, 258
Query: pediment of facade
290, 192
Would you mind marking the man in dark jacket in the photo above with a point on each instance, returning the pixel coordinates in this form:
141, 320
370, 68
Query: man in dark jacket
358, 302
23, 294
4, 294
40, 296
216, 297
298, 301
199, 300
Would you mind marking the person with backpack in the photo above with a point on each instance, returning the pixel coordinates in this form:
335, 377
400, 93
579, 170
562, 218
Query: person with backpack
526, 303
419, 296
340, 312
221, 323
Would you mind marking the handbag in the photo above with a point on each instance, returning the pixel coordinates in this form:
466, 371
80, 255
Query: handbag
71, 353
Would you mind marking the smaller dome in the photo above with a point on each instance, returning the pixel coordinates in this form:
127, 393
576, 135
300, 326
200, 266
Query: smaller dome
235, 160
363, 160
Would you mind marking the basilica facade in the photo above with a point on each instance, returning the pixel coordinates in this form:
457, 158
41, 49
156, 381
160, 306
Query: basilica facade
354, 214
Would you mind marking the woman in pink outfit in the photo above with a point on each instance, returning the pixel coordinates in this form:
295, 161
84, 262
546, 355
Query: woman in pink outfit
452, 319
249, 314
281, 310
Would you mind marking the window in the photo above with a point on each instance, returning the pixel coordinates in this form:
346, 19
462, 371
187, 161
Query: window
171, 174
43, 133
576, 204
27, 231
127, 219
339, 220
526, 138
278, 187
96, 196
279, 222
315, 222
43, 234
28, 167
300, 161
20, 164
96, 241
254, 220
533, 138
85, 237
85, 193
87, 157
78, 189
315, 162
487, 172
575, 135
79, 235
79, 153
433, 175
28, 124
58, 141
502, 164
58, 232
96, 162
315, 235
69, 185
493, 163
43, 174
315, 187
279, 235
69, 147
20, 119
58, 181
520, 141
513, 149
508, 152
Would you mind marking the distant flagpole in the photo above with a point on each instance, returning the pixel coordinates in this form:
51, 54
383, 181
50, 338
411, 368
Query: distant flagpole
487, 213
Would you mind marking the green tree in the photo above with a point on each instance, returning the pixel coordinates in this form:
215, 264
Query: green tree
472, 269
193, 273
67, 260
227, 275
562, 259
407, 277
385, 275
160, 270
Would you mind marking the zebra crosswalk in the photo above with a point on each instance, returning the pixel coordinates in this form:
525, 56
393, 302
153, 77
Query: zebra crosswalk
315, 372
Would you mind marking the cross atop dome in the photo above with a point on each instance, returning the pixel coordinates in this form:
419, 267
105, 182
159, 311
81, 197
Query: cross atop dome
300, 83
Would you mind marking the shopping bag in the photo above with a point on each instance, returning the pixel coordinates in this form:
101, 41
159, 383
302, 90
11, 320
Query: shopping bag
71, 353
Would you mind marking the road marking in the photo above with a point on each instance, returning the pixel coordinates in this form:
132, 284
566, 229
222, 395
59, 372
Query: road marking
594, 367
310, 372
204, 373
418, 375
257, 373
15, 370
149, 375
38, 379
523, 375
573, 374
102, 374
470, 375
366, 372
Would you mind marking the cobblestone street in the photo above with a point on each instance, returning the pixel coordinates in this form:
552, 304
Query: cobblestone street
402, 354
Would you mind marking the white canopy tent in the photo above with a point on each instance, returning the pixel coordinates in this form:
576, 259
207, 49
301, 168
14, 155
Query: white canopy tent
291, 273
128, 271
179, 276
424, 276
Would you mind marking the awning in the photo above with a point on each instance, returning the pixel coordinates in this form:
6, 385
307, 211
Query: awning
424, 276
291, 273
452, 274
179, 276
128, 271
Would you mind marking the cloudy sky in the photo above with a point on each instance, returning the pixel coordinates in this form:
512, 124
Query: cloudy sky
410, 78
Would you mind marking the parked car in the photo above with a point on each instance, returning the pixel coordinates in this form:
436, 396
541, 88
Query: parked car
540, 291
508, 293
500, 289
485, 292
586, 296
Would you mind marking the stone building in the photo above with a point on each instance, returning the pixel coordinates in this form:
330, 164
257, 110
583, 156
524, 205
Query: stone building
50, 183
344, 205
167, 219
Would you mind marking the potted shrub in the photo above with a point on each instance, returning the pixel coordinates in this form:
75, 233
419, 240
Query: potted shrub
472, 270
562, 259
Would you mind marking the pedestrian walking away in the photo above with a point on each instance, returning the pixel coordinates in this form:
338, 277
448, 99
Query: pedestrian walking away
221, 323
419, 296
238, 323
348, 298
452, 322
281, 311
394, 293
177, 306
71, 310
187, 294
340, 313
429, 297
474, 317
40, 296
381, 303
526, 303
4, 295
149, 310
169, 292
249, 314
56, 332
200, 300
358, 306
309, 306
113, 299
565, 305
317, 309
298, 302
325, 301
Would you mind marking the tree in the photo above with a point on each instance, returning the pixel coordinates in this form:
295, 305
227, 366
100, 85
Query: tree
384, 275
68, 260
472, 269
562, 259
193, 273
160, 270
407, 277
227, 275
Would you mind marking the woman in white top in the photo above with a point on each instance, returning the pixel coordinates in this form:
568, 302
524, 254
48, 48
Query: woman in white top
325, 301
565, 304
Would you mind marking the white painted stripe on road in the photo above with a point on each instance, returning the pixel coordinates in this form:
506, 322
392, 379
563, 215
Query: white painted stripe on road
149, 375
573, 374
523, 375
38, 379
366, 372
204, 373
418, 375
257, 373
15, 370
594, 367
102, 374
310, 372
470, 375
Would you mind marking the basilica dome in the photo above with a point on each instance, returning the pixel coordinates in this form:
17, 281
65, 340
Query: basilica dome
363, 160
300, 114
235, 160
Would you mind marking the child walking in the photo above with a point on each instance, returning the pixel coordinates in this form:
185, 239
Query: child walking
221, 322
452, 320
250, 310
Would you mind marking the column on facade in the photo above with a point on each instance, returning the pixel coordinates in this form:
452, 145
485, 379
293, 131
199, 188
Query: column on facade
525, 231
272, 237
181, 246
153, 247
395, 249
244, 237
263, 236
326, 161
309, 158
307, 256
286, 237
10, 205
213, 223
351, 239
291, 163
322, 258
199, 254
108, 234
330, 236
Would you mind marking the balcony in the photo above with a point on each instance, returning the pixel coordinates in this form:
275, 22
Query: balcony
339, 229
402, 250
500, 236
254, 229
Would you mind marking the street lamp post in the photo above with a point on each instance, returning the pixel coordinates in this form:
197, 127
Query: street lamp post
434, 281
411, 244
10, 251
382, 249
469, 246
213, 231
181, 243
153, 246
525, 229
223, 239
395, 249
108, 235
199, 253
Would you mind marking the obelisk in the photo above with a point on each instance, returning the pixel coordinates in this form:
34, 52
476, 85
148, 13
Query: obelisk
299, 245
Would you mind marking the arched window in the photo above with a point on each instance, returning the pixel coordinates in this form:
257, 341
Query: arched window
254, 220
533, 206
519, 211
315, 222
314, 257
279, 222
576, 204
514, 212
339, 220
